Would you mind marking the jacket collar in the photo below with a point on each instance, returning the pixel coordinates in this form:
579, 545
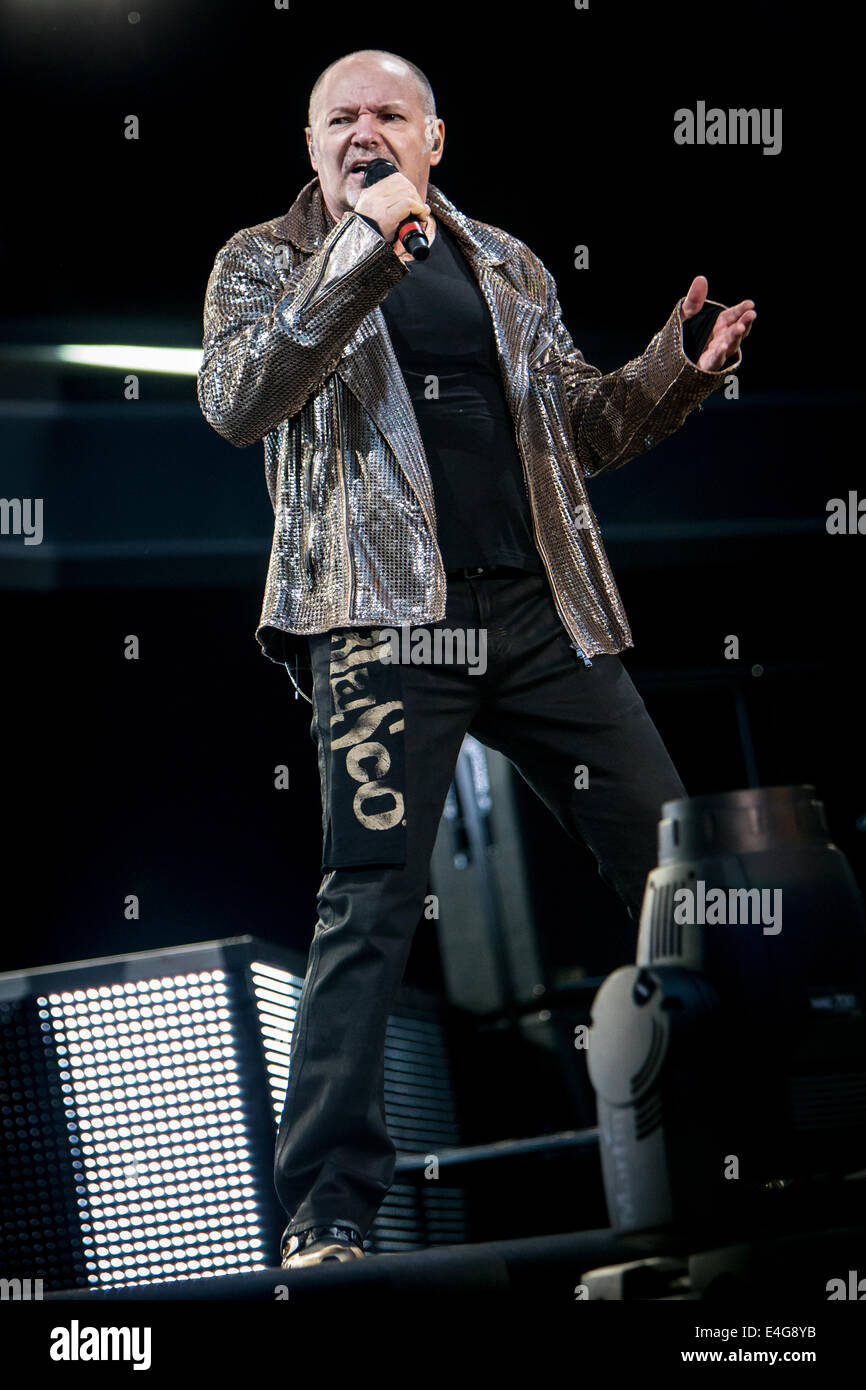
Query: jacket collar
368, 365
308, 222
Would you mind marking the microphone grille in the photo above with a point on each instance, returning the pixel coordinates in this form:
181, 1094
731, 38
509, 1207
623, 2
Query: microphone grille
378, 169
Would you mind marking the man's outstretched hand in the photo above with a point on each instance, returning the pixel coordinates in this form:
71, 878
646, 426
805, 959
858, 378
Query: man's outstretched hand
729, 329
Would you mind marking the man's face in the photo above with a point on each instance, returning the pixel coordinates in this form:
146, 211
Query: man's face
369, 109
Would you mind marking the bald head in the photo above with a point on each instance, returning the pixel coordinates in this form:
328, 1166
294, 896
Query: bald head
388, 63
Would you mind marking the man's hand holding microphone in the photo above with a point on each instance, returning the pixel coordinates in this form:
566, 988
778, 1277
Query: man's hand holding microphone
393, 202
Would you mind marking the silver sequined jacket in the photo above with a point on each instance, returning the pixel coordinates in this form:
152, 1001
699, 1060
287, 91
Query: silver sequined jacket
296, 352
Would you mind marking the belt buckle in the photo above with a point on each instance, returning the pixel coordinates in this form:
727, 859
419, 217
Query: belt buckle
473, 571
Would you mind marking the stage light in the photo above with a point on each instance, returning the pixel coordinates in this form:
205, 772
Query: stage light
143, 1150
121, 357
128, 1161
730, 1060
277, 994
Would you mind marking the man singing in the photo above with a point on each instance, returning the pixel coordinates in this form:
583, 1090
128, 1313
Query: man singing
429, 426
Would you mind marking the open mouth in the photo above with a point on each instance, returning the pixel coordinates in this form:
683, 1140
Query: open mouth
359, 168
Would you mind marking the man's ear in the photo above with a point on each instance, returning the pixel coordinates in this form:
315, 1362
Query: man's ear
437, 144
311, 147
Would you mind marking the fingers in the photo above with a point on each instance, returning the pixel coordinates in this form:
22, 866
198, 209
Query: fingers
732, 338
726, 341
415, 209
696, 295
699, 287
728, 316
739, 327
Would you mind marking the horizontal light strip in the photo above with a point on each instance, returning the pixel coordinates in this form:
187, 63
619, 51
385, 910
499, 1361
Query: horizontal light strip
123, 357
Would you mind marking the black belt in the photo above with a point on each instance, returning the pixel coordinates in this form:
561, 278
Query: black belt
482, 571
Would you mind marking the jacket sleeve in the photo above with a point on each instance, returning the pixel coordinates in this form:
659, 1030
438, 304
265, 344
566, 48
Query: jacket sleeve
269, 346
618, 415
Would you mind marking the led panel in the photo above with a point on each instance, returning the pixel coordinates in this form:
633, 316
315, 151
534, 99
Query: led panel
150, 1074
140, 1096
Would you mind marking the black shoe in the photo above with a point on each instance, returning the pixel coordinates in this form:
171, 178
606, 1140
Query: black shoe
320, 1243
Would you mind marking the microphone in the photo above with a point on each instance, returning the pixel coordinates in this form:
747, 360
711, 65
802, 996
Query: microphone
410, 232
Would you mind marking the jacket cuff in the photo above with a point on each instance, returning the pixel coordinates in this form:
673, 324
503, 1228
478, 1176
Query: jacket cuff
371, 222
675, 384
352, 253
695, 332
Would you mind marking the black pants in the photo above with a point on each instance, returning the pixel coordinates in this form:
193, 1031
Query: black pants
540, 706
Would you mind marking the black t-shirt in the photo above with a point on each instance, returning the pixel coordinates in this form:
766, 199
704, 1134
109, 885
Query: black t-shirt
440, 325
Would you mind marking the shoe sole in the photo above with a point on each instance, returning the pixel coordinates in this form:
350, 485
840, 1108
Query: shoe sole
328, 1252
